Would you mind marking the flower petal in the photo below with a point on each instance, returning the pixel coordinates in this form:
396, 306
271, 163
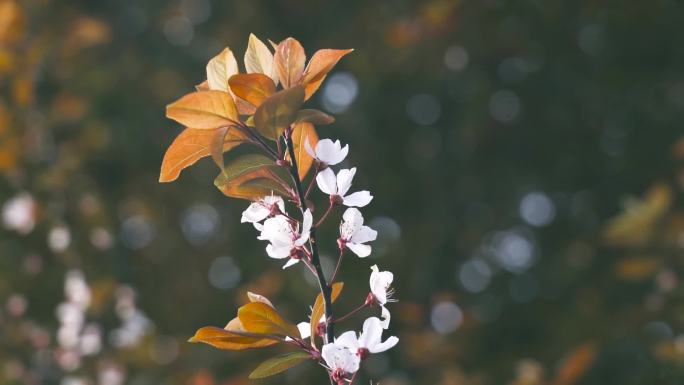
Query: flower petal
357, 199
348, 340
384, 346
371, 334
364, 234
309, 150
344, 180
304, 329
352, 222
278, 252
327, 182
361, 250
386, 316
291, 262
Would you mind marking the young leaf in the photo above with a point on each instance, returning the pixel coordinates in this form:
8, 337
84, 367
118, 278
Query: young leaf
204, 110
246, 164
231, 340
289, 61
220, 69
190, 146
252, 185
278, 111
314, 117
259, 59
317, 311
302, 132
278, 364
320, 64
258, 317
254, 88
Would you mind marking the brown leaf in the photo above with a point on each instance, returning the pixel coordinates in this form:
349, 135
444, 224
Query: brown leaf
318, 309
220, 69
231, 340
259, 59
204, 110
258, 317
216, 145
190, 146
314, 117
254, 88
320, 64
278, 111
289, 61
301, 132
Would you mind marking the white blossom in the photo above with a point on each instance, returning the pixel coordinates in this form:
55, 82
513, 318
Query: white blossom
327, 152
380, 286
285, 238
263, 208
338, 186
354, 234
369, 341
340, 359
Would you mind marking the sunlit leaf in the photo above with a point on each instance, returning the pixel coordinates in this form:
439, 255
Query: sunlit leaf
278, 111
302, 132
254, 88
320, 64
190, 146
231, 340
204, 86
204, 110
289, 61
318, 309
314, 117
636, 224
250, 177
220, 69
216, 145
258, 317
253, 297
259, 59
279, 364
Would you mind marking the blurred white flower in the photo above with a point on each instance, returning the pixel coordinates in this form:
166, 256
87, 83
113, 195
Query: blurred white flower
369, 341
327, 152
263, 208
19, 213
338, 186
340, 360
354, 235
285, 238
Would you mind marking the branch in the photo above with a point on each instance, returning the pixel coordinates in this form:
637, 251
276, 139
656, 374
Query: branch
315, 259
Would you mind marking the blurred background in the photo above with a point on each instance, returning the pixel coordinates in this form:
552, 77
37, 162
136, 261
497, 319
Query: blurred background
526, 157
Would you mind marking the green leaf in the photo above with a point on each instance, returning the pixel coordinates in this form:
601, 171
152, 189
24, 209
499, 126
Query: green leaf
278, 364
314, 117
278, 111
251, 176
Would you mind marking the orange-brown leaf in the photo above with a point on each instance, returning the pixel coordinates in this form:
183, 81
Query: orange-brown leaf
204, 110
302, 132
259, 59
320, 64
289, 61
254, 88
231, 340
576, 364
258, 317
220, 69
190, 146
318, 309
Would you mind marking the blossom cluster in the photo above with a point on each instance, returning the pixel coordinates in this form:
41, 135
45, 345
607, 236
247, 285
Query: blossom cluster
262, 108
288, 240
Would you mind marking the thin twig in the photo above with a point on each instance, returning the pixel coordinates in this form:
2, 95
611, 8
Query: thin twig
337, 267
325, 215
351, 313
315, 259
